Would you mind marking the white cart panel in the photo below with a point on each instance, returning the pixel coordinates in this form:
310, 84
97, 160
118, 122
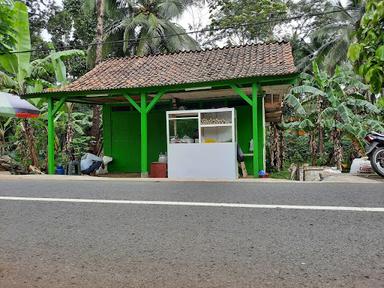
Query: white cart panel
215, 161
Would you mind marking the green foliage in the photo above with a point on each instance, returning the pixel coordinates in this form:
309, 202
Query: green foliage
6, 33
380, 102
367, 53
236, 13
39, 12
297, 148
17, 63
148, 27
18, 73
326, 37
284, 174
80, 120
335, 105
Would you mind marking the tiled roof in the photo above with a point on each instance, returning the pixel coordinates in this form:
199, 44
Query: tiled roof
227, 63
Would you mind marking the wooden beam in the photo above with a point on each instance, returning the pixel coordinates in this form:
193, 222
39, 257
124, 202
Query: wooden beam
51, 138
272, 110
241, 94
134, 104
274, 114
58, 106
270, 106
255, 128
273, 120
155, 100
144, 135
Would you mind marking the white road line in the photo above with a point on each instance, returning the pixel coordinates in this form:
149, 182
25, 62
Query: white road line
198, 204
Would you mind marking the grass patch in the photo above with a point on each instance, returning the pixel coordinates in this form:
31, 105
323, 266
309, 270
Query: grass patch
283, 174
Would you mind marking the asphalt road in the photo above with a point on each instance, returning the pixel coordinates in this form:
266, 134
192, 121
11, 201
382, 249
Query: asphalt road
72, 244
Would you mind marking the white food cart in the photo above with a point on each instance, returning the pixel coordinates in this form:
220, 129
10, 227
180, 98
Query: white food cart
202, 144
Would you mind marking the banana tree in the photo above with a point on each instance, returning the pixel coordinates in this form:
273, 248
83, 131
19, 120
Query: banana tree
333, 104
19, 75
307, 102
6, 15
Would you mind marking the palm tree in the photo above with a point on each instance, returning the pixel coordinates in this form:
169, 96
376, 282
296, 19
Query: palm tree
148, 27
329, 43
95, 54
144, 27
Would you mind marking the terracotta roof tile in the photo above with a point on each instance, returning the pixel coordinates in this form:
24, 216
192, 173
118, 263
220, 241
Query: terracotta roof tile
188, 67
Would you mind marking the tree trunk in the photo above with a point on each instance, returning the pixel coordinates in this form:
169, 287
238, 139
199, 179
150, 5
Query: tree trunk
319, 128
337, 148
96, 119
95, 129
2, 142
69, 131
281, 148
321, 140
358, 149
99, 30
28, 134
313, 146
275, 147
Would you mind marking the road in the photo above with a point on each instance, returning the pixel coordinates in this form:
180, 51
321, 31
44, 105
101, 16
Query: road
96, 242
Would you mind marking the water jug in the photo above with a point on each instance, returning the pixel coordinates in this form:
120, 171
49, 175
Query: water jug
60, 170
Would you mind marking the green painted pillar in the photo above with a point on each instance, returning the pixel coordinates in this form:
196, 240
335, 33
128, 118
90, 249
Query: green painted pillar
51, 138
144, 136
255, 129
261, 132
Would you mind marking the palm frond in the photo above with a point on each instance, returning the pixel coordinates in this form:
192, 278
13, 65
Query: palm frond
337, 54
170, 9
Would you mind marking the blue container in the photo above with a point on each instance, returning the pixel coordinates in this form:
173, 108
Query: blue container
60, 170
262, 173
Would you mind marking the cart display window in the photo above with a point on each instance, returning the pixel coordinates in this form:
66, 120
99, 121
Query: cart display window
216, 127
183, 129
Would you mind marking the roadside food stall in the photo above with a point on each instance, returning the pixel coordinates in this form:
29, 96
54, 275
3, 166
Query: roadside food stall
229, 95
202, 144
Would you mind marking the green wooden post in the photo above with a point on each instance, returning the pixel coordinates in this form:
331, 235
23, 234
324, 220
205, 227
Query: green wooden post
51, 138
261, 131
255, 129
144, 138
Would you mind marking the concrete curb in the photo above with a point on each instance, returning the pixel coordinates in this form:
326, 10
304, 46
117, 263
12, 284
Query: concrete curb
91, 178
333, 179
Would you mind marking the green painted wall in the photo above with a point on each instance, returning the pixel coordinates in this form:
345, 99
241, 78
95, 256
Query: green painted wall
122, 137
244, 133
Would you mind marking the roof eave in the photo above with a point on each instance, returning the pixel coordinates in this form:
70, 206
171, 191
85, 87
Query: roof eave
263, 80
